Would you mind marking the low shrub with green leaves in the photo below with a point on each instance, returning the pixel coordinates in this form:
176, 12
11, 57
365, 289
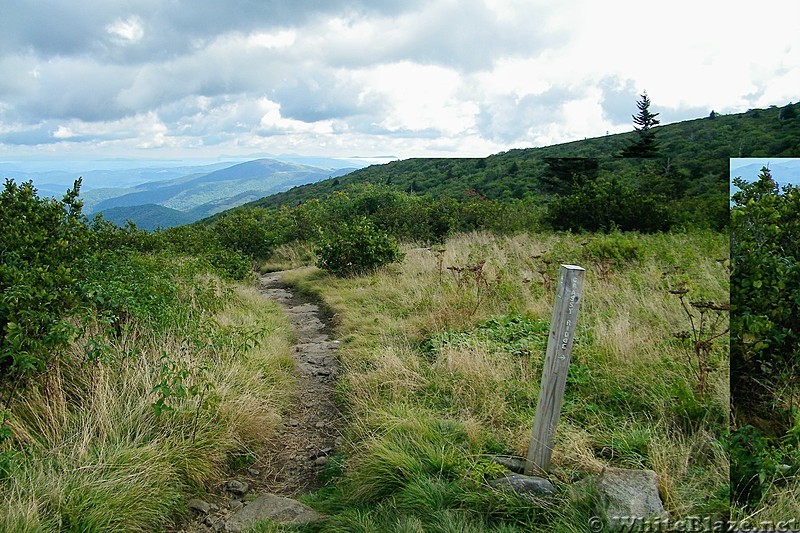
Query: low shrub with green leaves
765, 256
44, 242
356, 247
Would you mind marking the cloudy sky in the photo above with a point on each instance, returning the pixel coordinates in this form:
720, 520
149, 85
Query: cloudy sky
210, 78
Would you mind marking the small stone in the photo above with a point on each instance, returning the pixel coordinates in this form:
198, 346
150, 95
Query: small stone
526, 486
235, 505
220, 525
209, 521
321, 461
237, 487
199, 505
515, 464
213, 507
294, 423
319, 425
253, 471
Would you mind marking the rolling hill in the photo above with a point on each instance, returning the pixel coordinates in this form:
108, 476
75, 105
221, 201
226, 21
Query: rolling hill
695, 160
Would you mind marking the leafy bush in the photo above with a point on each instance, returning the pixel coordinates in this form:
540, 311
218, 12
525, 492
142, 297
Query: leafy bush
356, 247
43, 242
607, 204
765, 254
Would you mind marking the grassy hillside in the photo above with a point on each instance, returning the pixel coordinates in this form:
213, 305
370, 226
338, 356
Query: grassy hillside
694, 153
442, 369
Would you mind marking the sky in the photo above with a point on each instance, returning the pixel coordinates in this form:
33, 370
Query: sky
174, 79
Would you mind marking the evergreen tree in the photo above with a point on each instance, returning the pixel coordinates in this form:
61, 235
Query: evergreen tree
645, 145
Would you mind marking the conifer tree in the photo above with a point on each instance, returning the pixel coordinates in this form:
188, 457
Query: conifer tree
645, 145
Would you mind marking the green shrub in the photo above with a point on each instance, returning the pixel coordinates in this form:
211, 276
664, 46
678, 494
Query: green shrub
43, 242
356, 247
606, 204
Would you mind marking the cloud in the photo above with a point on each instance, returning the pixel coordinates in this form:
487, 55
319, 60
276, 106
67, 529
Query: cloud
127, 30
619, 99
408, 78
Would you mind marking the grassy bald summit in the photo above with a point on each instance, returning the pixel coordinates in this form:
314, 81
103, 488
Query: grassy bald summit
693, 163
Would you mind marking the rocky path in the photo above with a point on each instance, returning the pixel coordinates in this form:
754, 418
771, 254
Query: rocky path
309, 435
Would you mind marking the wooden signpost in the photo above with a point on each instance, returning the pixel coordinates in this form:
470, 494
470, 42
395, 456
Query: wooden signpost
556, 365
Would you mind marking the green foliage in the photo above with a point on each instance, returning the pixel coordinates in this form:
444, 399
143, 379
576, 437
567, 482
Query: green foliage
44, 241
607, 204
426, 474
184, 384
753, 463
514, 334
356, 247
765, 254
205, 243
619, 247
692, 170
765, 305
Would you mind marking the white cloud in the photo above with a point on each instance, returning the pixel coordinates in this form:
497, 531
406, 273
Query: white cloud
129, 29
460, 77
281, 39
418, 97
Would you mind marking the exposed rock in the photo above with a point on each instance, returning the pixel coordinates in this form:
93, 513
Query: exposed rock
237, 487
275, 508
627, 496
199, 505
515, 464
235, 505
526, 486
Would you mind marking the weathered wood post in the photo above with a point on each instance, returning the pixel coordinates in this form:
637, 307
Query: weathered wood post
556, 365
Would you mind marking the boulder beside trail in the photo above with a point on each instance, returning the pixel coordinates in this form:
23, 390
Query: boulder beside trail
627, 497
272, 507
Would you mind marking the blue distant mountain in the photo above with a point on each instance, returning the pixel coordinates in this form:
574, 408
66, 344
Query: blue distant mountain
785, 171
166, 194
170, 202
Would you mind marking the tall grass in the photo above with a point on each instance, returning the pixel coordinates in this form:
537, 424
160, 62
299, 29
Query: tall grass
455, 337
93, 455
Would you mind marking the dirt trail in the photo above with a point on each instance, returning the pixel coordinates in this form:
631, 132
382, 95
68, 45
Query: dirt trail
310, 432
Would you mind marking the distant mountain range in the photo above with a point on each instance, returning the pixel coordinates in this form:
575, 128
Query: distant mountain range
785, 171
183, 200
154, 197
